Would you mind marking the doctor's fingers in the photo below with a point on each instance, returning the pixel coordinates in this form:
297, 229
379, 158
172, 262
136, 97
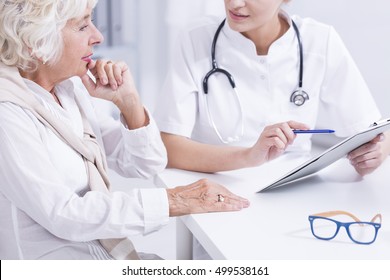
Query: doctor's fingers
371, 158
379, 138
368, 162
287, 128
297, 125
367, 166
281, 131
272, 142
369, 155
363, 150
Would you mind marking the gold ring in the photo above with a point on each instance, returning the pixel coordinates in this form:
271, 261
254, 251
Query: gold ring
109, 62
221, 198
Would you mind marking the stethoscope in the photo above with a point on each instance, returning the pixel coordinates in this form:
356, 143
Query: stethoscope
298, 96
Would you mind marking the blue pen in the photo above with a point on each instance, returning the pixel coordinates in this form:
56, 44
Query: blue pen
299, 131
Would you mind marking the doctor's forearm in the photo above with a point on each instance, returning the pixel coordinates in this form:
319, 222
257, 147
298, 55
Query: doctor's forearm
184, 153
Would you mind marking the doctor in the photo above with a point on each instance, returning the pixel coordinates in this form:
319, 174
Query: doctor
238, 87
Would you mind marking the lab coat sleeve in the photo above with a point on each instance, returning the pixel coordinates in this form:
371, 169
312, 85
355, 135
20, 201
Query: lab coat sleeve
176, 106
32, 184
346, 103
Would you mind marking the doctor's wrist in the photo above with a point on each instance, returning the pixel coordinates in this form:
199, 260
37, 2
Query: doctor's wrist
252, 157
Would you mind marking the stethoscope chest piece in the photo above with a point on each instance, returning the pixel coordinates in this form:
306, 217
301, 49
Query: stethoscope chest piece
299, 97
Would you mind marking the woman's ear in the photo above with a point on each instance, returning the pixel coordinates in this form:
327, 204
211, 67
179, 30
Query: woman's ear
38, 56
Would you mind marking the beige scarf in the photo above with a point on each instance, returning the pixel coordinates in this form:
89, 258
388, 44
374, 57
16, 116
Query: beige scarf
13, 89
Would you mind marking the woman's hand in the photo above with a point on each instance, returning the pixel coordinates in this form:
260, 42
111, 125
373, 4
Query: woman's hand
273, 141
369, 156
114, 82
203, 196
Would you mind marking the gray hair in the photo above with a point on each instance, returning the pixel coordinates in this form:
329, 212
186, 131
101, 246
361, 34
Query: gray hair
31, 30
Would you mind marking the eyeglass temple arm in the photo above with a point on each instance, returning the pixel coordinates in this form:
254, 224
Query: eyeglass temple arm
377, 216
340, 212
335, 213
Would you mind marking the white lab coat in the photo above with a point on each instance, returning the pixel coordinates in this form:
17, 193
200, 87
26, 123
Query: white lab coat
264, 83
46, 208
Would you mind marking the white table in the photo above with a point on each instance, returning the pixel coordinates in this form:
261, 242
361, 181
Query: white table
276, 224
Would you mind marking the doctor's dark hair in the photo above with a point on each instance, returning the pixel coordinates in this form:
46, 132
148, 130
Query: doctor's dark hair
31, 30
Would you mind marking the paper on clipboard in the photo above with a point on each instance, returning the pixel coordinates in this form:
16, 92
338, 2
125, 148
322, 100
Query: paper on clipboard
330, 155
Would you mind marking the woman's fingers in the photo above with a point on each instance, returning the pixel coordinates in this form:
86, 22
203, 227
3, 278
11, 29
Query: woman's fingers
201, 197
230, 202
112, 80
108, 73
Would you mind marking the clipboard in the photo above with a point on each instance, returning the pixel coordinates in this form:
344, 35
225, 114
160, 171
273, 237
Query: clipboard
331, 155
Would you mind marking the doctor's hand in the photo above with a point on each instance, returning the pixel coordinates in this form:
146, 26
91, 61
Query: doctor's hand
203, 196
369, 156
114, 82
273, 141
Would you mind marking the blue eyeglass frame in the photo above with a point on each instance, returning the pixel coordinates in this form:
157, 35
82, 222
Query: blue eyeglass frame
377, 226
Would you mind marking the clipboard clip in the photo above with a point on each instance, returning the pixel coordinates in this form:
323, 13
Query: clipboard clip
380, 122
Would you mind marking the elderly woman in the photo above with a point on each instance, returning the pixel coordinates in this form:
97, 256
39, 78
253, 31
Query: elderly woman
54, 198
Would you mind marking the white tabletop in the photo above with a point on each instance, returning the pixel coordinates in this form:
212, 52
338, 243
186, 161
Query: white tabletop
276, 224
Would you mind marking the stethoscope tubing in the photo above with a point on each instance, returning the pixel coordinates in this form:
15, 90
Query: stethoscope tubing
300, 47
241, 121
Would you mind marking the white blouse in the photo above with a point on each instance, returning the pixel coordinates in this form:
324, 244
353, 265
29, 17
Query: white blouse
46, 208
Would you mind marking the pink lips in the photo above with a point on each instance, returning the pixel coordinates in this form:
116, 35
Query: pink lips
237, 16
87, 58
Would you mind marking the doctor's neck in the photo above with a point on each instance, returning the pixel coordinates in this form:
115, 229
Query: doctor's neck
264, 35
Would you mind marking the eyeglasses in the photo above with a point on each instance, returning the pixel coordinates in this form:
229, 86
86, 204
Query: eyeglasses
359, 232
